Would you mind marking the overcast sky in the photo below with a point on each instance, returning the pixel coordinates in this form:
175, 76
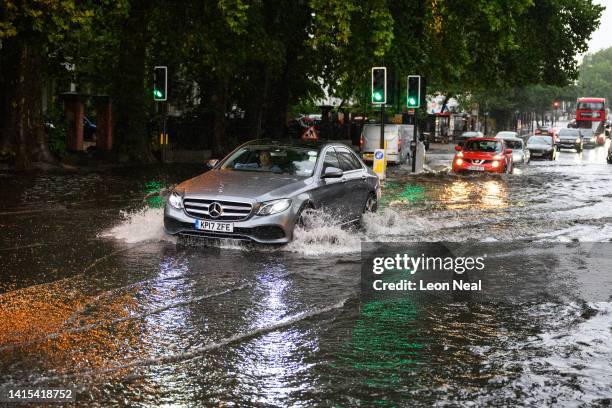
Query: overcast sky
602, 38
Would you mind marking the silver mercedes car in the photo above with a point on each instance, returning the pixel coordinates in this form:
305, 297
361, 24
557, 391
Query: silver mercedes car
261, 191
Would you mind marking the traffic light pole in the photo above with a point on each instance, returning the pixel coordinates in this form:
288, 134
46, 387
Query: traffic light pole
415, 139
164, 110
382, 126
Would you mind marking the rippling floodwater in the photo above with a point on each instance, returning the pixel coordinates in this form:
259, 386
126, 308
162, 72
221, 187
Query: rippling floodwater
92, 293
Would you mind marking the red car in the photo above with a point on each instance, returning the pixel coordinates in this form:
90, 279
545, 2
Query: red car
483, 154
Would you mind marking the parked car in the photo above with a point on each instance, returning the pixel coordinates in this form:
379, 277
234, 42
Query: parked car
262, 189
483, 155
520, 155
398, 138
570, 139
460, 140
542, 147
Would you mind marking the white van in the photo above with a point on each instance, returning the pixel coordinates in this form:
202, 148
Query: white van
398, 139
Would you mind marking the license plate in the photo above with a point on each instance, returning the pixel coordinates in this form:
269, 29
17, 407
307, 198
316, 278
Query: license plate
214, 226
477, 168
536, 154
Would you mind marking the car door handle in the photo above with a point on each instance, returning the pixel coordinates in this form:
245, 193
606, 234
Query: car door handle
363, 177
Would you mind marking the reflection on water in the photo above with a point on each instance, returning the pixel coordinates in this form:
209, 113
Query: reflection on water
481, 194
382, 356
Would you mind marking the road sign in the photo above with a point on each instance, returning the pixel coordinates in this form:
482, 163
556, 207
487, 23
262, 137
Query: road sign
380, 162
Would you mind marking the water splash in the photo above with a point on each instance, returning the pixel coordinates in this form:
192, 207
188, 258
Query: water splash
324, 234
146, 224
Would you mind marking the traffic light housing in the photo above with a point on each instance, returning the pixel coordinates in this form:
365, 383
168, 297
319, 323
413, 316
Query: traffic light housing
160, 83
413, 94
379, 85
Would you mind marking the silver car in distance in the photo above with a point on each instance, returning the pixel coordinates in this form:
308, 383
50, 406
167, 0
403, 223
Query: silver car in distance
260, 191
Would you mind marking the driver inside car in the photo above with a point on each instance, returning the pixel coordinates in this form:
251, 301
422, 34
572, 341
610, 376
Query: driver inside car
265, 163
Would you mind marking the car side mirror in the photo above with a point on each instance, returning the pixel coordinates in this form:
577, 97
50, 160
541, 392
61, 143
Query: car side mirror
332, 172
509, 151
458, 148
211, 163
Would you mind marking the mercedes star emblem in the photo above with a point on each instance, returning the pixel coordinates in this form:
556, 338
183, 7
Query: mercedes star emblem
215, 210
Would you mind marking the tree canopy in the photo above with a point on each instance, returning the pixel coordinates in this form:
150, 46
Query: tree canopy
265, 57
596, 75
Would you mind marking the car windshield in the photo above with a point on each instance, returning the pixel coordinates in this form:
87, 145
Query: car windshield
292, 160
506, 134
514, 144
569, 132
543, 140
591, 105
492, 146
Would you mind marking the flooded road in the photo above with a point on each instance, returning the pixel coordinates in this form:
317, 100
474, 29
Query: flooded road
93, 294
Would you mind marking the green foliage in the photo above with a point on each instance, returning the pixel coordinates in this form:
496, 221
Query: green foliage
266, 57
46, 20
596, 75
57, 139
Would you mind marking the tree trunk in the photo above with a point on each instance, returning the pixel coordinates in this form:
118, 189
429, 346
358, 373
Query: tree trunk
18, 116
219, 99
130, 97
279, 100
38, 141
10, 53
22, 127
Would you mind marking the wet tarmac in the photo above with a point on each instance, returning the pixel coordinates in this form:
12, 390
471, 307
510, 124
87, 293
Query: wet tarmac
93, 294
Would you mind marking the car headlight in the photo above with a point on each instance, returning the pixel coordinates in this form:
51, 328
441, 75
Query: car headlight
274, 206
176, 200
577, 140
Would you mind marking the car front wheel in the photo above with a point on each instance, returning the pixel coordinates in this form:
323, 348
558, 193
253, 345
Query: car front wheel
371, 204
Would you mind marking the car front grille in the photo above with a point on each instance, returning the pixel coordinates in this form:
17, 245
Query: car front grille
217, 210
477, 162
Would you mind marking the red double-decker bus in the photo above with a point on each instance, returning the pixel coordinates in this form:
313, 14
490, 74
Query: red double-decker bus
589, 110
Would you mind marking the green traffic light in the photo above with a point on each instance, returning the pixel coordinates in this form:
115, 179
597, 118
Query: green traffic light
411, 101
157, 93
378, 96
